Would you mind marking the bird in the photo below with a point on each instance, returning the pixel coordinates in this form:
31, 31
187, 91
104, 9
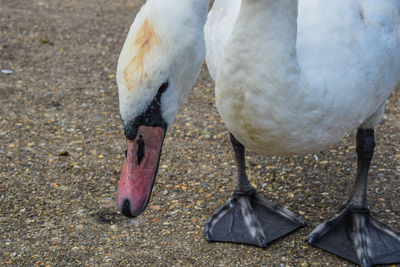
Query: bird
291, 77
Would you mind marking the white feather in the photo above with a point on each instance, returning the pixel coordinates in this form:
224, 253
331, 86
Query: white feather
176, 57
218, 28
297, 83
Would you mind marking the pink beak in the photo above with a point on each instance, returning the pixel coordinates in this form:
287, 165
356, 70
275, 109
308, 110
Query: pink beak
139, 171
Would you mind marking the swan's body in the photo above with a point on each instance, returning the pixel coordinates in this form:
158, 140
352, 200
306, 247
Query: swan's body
271, 84
289, 79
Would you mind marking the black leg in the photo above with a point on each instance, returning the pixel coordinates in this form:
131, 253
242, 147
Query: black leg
243, 186
247, 218
354, 234
365, 144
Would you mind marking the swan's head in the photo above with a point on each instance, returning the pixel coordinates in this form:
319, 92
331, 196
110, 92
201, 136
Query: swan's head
158, 65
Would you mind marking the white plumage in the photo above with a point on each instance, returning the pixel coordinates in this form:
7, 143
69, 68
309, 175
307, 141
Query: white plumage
282, 93
164, 37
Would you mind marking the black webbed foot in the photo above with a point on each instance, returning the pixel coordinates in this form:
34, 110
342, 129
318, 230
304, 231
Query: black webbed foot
250, 219
358, 237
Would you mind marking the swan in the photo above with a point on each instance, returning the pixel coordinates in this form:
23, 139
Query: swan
291, 78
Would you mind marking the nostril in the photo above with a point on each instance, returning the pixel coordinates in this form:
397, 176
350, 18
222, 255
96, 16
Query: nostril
140, 152
126, 209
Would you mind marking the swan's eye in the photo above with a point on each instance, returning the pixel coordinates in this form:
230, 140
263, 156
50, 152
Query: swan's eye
163, 88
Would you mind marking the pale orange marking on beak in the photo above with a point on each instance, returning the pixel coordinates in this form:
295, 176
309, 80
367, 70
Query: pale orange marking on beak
145, 41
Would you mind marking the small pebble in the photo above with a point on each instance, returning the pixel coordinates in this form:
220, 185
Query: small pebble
6, 72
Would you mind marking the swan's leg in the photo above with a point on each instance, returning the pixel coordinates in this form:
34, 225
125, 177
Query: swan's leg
246, 217
354, 234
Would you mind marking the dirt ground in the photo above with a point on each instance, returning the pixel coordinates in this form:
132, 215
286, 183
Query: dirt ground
62, 147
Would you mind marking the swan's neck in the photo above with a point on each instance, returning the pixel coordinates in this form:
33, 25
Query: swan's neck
201, 6
276, 20
265, 36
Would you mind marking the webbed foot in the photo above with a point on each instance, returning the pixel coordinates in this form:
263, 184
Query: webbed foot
250, 219
358, 237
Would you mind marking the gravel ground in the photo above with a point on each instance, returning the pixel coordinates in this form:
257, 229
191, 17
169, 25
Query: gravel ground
61, 152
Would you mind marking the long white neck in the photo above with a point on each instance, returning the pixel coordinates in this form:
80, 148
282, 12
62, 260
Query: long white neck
201, 6
276, 20
259, 85
263, 44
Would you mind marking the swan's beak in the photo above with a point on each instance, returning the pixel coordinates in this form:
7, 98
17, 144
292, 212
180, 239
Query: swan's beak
140, 169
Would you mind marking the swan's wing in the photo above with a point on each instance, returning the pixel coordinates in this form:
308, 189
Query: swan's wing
218, 28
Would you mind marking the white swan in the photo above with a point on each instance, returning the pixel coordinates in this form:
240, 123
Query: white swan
290, 78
